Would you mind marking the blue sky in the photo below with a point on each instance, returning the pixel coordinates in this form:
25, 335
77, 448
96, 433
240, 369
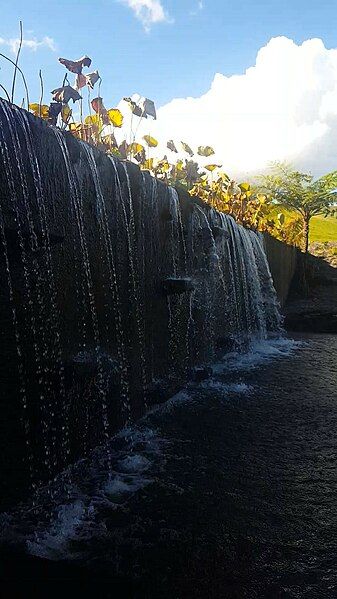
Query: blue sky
177, 57
257, 79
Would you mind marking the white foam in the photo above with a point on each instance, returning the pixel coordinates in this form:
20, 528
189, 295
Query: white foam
240, 388
178, 399
119, 487
260, 352
52, 542
134, 463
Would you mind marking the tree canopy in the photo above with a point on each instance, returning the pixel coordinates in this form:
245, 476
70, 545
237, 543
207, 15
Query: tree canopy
300, 192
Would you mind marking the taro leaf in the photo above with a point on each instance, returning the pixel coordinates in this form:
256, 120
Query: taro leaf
76, 66
115, 117
81, 81
224, 177
92, 78
148, 164
147, 107
163, 165
94, 120
244, 186
212, 167
135, 148
233, 189
98, 106
54, 110
77, 129
205, 151
171, 146
65, 93
66, 113
192, 169
178, 170
140, 156
150, 141
110, 140
187, 149
135, 109
41, 110
123, 149
115, 152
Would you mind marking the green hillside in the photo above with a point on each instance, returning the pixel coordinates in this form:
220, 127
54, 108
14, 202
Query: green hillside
323, 229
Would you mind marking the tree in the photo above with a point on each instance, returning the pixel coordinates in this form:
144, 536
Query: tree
300, 192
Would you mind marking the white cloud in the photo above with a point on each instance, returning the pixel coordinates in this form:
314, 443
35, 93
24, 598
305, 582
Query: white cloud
284, 107
32, 44
148, 12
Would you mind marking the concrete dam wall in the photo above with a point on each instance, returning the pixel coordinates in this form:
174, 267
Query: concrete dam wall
282, 259
113, 288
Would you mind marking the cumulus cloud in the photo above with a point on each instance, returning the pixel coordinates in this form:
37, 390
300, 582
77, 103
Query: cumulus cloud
148, 12
282, 108
32, 44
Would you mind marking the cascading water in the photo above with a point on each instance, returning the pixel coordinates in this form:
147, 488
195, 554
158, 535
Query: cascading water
111, 283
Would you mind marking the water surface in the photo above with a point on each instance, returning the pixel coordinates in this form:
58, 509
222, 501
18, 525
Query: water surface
228, 490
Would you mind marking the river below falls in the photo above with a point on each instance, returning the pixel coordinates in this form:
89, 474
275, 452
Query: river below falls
229, 490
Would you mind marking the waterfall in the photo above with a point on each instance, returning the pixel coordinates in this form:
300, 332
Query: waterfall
112, 283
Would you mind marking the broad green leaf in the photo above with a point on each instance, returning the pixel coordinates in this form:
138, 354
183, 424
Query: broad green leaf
93, 119
80, 81
187, 148
135, 148
110, 140
98, 106
151, 141
75, 127
65, 93
147, 106
92, 78
205, 151
212, 167
244, 186
171, 146
76, 66
135, 109
41, 110
54, 110
140, 156
163, 166
115, 117
66, 113
148, 164
123, 149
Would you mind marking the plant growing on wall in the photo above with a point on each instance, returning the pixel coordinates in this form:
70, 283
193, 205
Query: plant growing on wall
252, 207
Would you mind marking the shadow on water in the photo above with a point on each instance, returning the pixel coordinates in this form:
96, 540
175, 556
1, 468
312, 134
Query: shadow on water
228, 490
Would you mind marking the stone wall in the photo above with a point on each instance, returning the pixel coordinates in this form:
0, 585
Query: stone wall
282, 259
112, 286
